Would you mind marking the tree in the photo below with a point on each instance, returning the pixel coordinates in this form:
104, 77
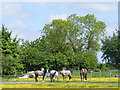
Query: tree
61, 37
111, 50
74, 35
89, 29
10, 52
35, 55
86, 59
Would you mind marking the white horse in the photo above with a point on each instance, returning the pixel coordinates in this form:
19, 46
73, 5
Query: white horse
66, 73
53, 75
40, 73
28, 75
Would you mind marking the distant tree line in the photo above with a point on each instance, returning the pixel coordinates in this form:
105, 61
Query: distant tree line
70, 43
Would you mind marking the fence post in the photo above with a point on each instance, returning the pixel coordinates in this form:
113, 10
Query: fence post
91, 76
100, 75
15, 75
110, 75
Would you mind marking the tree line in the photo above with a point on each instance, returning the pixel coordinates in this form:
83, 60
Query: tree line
70, 43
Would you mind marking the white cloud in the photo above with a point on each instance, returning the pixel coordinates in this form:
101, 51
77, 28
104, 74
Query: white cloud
100, 7
90, 6
18, 28
59, 16
22, 30
111, 29
17, 24
14, 10
42, 3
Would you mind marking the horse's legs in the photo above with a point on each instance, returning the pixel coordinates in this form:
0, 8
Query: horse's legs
57, 78
36, 77
69, 77
51, 77
43, 77
85, 76
63, 76
81, 76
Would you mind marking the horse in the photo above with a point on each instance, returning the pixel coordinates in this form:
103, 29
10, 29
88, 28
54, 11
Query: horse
40, 73
53, 75
29, 74
66, 73
83, 74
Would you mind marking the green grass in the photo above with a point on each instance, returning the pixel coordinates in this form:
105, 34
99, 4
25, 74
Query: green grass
96, 74
74, 75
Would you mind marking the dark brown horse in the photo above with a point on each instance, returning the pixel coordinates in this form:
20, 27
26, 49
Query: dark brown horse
40, 73
83, 74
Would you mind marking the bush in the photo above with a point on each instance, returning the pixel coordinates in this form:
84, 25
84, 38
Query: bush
97, 70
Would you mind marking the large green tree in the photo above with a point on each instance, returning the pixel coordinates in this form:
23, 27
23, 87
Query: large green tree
75, 35
89, 30
10, 51
110, 49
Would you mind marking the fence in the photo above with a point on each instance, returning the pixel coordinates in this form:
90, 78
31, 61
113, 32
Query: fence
76, 75
101, 75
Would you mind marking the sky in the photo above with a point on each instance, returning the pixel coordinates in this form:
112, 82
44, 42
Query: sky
26, 19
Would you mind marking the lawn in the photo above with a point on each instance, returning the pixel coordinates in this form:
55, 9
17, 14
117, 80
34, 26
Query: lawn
73, 83
61, 85
95, 80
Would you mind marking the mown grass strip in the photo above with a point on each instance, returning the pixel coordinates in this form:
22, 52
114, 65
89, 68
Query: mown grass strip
59, 85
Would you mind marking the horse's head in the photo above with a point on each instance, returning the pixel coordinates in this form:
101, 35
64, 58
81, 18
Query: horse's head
42, 69
84, 71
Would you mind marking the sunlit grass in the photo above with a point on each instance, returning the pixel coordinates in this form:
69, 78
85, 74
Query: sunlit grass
73, 83
58, 85
112, 79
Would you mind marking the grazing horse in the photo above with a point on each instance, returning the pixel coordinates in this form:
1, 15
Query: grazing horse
53, 75
66, 73
83, 74
40, 73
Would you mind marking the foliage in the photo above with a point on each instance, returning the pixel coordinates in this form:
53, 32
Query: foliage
111, 50
75, 38
9, 52
70, 43
103, 67
89, 30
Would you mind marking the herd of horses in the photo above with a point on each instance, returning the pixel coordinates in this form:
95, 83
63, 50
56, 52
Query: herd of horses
54, 74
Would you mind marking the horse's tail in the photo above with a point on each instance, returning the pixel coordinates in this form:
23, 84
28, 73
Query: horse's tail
52, 76
71, 71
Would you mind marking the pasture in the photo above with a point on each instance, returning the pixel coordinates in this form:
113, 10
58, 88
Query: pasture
98, 80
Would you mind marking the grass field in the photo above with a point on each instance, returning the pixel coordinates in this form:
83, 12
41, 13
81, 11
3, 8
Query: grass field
73, 83
61, 85
95, 80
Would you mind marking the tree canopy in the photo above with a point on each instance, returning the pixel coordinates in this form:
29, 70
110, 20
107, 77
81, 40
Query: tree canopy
10, 52
74, 37
110, 49
70, 43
